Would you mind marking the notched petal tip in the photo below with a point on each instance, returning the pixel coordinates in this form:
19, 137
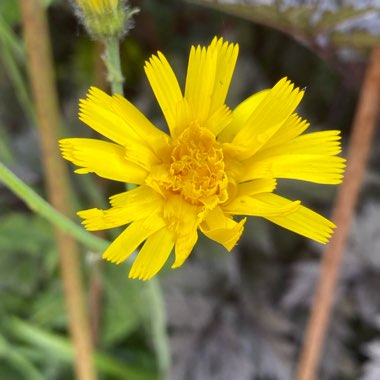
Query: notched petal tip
133, 275
93, 219
111, 259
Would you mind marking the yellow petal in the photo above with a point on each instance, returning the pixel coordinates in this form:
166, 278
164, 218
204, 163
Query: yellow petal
309, 157
219, 120
153, 255
159, 174
208, 77
250, 188
145, 131
183, 247
128, 241
127, 207
142, 155
256, 186
227, 54
217, 226
183, 219
137, 196
105, 159
302, 220
135, 119
165, 87
258, 205
94, 220
119, 120
241, 114
268, 117
183, 117
200, 81
289, 130
96, 111
313, 168
324, 143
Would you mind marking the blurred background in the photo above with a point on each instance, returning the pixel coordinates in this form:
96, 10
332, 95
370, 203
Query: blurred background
228, 316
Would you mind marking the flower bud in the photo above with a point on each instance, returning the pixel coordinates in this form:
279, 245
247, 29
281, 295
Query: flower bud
105, 18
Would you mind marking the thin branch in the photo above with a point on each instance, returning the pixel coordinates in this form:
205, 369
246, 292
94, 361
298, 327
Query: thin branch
41, 75
359, 146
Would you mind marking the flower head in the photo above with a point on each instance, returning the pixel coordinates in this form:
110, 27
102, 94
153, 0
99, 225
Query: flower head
104, 18
215, 164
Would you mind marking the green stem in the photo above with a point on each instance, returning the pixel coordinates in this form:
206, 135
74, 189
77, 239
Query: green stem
63, 350
43, 208
112, 61
21, 364
158, 327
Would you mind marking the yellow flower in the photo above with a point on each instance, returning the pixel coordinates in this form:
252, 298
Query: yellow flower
215, 163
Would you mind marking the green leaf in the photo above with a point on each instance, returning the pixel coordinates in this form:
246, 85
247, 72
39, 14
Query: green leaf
25, 233
48, 308
27, 256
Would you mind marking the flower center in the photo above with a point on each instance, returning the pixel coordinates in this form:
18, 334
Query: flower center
197, 168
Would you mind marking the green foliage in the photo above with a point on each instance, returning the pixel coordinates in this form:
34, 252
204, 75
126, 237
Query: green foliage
27, 250
20, 232
9, 10
59, 349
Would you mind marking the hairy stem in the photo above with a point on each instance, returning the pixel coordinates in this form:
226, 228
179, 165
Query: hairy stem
111, 59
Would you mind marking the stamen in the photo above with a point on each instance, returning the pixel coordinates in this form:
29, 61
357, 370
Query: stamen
197, 168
